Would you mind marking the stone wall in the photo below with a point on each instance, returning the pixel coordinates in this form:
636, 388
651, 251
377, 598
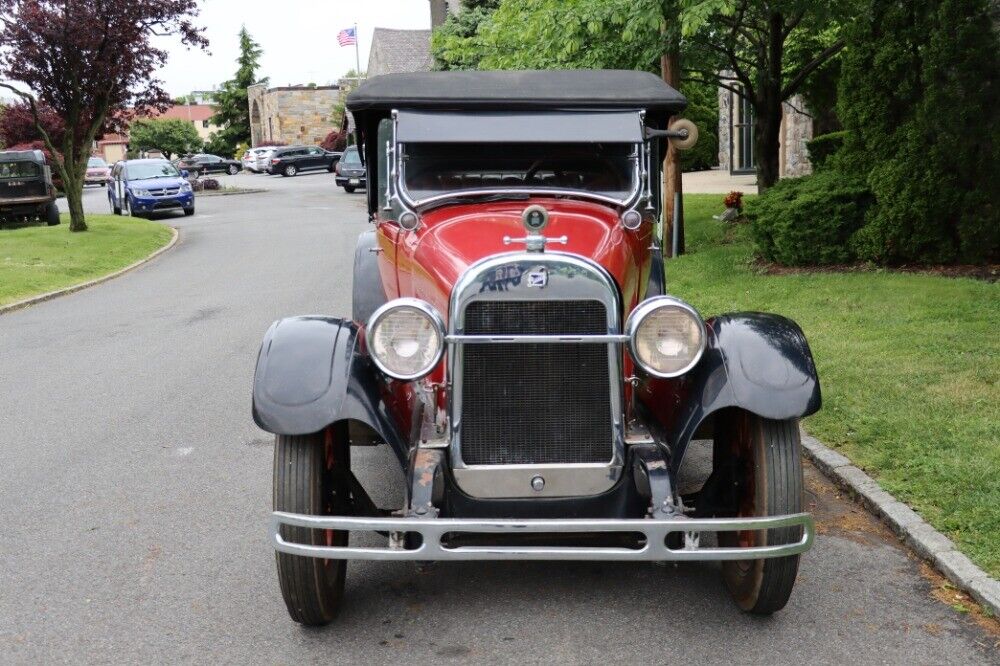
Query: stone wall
725, 127
796, 131
291, 115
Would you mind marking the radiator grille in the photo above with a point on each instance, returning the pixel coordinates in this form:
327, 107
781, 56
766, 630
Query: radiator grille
536, 403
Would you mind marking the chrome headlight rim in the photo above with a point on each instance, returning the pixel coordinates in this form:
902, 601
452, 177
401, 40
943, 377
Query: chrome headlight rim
425, 309
648, 307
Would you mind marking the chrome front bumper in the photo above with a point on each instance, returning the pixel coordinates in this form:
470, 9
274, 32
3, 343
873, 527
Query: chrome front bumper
433, 529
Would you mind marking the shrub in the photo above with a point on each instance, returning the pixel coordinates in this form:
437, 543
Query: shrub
823, 147
809, 220
210, 184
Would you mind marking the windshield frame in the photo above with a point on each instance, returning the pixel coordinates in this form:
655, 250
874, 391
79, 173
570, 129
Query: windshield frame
130, 177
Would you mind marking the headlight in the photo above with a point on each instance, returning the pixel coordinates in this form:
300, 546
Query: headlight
185, 186
666, 336
405, 338
140, 193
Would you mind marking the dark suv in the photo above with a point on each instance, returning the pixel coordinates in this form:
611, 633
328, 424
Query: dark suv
350, 171
26, 190
290, 160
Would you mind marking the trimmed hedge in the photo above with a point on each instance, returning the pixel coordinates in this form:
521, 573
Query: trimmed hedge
809, 220
823, 147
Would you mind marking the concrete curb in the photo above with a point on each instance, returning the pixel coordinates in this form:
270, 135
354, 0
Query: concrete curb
4, 309
916, 533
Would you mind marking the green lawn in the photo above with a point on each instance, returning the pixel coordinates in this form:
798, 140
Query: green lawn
38, 259
909, 367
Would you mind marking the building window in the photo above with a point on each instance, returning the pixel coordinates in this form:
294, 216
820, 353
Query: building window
204, 124
741, 144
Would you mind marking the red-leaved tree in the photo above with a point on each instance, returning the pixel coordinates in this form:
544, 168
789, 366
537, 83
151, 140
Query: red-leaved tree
92, 63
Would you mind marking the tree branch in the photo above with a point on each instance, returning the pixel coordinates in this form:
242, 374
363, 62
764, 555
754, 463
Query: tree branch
792, 87
46, 139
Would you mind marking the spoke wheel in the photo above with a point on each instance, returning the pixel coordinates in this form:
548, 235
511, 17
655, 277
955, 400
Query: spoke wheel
309, 478
768, 477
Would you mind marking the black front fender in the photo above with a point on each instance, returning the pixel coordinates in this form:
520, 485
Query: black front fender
310, 373
755, 361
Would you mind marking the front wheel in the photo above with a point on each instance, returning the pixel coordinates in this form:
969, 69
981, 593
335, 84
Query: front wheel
310, 478
117, 210
349, 189
188, 212
52, 214
233, 169
290, 170
768, 479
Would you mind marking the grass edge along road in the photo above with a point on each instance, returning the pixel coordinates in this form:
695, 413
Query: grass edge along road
909, 366
38, 259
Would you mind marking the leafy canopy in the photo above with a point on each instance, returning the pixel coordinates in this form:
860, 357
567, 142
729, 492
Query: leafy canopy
172, 136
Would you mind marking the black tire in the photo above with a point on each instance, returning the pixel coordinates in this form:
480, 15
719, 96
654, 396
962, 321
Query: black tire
188, 212
306, 481
233, 169
52, 214
114, 209
126, 207
350, 189
769, 483
289, 170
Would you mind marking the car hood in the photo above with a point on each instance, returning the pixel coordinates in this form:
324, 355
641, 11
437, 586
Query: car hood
452, 238
156, 183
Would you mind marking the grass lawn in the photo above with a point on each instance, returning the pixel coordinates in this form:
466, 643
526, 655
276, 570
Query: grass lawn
38, 259
909, 366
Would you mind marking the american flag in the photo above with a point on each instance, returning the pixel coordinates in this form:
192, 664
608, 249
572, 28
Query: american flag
347, 36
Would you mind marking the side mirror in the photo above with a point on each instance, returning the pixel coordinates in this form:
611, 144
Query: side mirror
185, 173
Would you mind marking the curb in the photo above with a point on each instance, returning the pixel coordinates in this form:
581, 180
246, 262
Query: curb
914, 531
17, 305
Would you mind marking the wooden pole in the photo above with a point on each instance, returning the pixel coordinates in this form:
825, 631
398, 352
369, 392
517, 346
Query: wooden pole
671, 72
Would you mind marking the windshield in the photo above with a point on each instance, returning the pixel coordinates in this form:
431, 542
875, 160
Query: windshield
351, 156
96, 163
432, 169
18, 169
144, 170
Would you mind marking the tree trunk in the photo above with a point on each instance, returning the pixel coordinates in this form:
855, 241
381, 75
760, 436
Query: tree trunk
767, 125
671, 71
75, 170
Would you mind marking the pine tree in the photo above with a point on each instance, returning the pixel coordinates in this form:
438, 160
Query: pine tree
232, 104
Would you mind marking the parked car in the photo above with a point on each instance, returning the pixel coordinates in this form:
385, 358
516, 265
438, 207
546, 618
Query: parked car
203, 163
292, 160
97, 171
264, 158
350, 170
26, 190
252, 159
513, 343
138, 187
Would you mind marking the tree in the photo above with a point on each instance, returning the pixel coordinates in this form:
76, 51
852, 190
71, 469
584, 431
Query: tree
17, 124
91, 62
171, 136
232, 103
920, 100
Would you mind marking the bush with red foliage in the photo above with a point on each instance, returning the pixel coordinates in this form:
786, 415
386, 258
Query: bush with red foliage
734, 200
335, 140
17, 125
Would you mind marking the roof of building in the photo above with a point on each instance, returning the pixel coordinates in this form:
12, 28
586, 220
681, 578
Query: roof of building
395, 51
192, 112
517, 90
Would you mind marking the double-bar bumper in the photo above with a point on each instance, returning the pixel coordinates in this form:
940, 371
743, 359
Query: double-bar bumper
654, 546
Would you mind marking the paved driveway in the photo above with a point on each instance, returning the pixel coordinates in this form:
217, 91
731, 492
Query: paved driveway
135, 491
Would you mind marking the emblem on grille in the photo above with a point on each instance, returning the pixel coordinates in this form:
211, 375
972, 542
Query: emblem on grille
538, 278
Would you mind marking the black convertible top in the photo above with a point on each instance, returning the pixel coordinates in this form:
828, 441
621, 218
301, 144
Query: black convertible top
517, 90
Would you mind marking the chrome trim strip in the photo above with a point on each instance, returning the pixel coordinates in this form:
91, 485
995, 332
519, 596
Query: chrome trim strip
571, 277
433, 530
499, 339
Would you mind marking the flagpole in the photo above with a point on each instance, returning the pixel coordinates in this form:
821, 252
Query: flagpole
357, 52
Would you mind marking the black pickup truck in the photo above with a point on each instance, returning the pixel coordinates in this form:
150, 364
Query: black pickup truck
26, 190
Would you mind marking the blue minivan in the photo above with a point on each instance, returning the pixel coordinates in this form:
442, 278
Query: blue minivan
136, 187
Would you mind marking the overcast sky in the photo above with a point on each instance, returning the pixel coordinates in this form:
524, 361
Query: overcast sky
299, 38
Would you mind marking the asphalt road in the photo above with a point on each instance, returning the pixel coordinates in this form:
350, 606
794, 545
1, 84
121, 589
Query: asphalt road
135, 491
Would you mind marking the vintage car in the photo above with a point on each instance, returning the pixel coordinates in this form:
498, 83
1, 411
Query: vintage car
514, 343
26, 189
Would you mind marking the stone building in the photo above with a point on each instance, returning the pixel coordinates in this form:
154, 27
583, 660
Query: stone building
736, 149
291, 115
395, 51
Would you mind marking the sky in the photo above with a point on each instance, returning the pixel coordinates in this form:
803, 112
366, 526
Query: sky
299, 38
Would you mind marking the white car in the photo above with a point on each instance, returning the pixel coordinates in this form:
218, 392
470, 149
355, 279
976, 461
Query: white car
264, 158
249, 160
